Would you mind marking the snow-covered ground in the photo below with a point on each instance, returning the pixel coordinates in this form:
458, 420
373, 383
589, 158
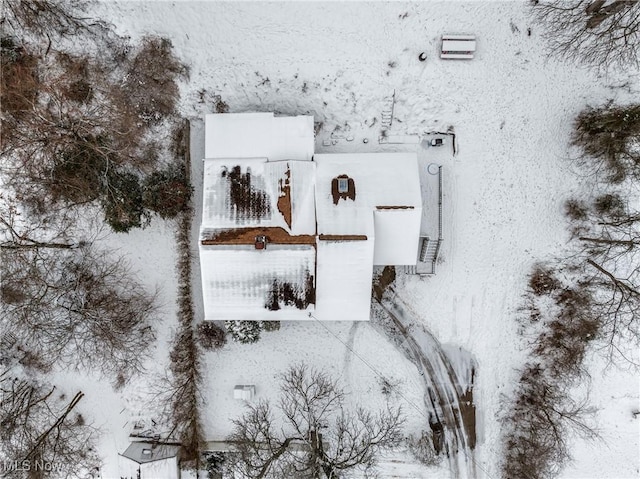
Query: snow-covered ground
511, 108
151, 254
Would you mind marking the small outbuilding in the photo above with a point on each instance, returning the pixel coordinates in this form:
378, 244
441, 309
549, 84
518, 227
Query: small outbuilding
246, 392
150, 460
458, 47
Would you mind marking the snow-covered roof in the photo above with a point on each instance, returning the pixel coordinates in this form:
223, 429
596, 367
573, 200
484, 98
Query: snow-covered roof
343, 287
327, 222
241, 283
384, 183
255, 192
248, 135
455, 45
303, 201
397, 236
144, 460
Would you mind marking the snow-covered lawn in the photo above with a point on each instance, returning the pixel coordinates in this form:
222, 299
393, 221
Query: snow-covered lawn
152, 256
511, 108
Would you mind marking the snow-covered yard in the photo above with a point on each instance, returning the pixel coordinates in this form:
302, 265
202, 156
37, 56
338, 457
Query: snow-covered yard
511, 109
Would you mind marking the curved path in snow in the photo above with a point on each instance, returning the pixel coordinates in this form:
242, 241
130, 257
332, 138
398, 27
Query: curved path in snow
448, 378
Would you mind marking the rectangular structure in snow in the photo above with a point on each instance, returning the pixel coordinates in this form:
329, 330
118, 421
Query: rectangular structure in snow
458, 47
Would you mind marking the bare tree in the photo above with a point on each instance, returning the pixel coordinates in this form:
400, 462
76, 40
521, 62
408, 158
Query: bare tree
617, 302
58, 228
42, 431
310, 434
608, 232
81, 127
607, 227
609, 136
543, 412
537, 424
70, 303
596, 32
46, 18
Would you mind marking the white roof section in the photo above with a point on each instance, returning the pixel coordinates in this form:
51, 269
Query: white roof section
303, 199
455, 46
343, 286
237, 280
382, 180
247, 135
165, 469
240, 193
397, 236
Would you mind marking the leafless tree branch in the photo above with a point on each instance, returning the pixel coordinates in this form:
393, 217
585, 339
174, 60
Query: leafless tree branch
596, 32
37, 425
315, 436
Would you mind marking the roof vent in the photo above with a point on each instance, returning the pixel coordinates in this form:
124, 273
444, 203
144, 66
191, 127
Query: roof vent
261, 242
146, 452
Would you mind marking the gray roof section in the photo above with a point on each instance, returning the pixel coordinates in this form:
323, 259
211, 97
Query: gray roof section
143, 452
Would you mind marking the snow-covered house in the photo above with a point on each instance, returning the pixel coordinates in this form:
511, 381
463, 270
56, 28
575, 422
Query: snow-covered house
147, 460
289, 235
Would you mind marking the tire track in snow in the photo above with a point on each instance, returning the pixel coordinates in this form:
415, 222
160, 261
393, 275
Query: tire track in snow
449, 393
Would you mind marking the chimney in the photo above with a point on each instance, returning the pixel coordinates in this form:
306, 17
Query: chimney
261, 242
